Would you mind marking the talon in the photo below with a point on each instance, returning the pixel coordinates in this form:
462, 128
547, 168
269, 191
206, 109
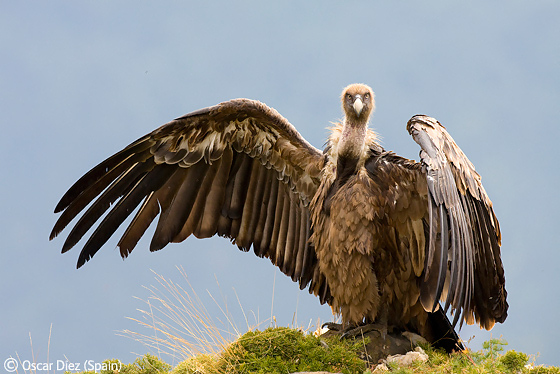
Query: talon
352, 331
333, 326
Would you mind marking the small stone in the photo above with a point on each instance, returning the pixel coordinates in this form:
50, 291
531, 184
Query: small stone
381, 368
407, 359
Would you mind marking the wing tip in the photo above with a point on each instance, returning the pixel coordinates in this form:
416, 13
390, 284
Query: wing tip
53, 234
423, 119
81, 261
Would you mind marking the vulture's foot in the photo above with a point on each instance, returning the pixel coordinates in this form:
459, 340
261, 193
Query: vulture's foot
355, 330
348, 330
361, 330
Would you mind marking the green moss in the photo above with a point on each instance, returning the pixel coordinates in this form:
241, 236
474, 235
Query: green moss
284, 350
489, 360
543, 370
514, 361
147, 364
203, 363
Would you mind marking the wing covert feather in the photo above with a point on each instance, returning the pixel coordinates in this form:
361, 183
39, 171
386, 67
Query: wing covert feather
237, 169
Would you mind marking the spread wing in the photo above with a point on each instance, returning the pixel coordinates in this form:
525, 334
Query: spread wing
237, 169
463, 267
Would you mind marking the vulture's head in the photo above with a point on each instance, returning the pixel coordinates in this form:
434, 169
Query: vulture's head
358, 102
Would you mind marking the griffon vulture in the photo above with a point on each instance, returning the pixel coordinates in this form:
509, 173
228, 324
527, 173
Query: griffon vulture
378, 237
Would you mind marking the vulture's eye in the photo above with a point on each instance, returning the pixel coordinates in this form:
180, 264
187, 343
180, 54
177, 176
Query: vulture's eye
366, 96
348, 97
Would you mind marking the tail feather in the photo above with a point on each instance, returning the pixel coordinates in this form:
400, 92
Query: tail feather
442, 334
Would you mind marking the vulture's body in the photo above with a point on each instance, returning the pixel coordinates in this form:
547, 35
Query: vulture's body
379, 237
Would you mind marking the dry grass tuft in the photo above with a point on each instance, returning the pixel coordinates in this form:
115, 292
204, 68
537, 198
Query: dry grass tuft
179, 323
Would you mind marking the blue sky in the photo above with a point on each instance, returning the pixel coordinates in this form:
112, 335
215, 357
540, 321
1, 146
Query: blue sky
80, 80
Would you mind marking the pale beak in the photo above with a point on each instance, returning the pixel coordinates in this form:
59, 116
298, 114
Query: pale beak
358, 106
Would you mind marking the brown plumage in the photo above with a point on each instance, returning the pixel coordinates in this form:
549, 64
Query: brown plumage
378, 237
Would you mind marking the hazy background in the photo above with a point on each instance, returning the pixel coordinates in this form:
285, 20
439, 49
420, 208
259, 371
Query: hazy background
80, 80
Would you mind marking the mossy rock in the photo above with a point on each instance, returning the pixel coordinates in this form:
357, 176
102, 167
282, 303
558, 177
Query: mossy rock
278, 350
203, 363
284, 350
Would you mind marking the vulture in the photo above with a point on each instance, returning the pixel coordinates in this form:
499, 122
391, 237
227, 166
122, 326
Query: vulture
380, 238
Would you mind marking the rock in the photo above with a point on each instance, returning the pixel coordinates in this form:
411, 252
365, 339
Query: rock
415, 339
402, 360
378, 347
407, 359
381, 368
